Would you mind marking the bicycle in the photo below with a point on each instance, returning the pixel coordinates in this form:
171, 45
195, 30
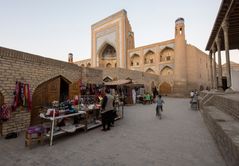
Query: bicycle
158, 111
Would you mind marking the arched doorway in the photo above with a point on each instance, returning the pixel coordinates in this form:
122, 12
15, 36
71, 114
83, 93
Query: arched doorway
165, 88
55, 89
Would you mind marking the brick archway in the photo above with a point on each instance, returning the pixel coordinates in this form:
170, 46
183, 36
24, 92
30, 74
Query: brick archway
56, 88
165, 88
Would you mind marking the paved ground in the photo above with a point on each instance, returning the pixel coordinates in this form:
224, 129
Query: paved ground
140, 139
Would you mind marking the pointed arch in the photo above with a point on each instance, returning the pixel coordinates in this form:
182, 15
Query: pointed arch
103, 46
149, 70
54, 89
88, 64
166, 54
107, 79
149, 57
166, 71
107, 54
108, 65
135, 60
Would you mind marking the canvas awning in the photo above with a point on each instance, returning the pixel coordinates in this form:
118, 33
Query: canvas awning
118, 82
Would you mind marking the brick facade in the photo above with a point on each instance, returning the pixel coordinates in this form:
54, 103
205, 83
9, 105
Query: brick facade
34, 70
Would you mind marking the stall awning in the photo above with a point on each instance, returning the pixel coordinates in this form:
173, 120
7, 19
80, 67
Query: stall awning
118, 82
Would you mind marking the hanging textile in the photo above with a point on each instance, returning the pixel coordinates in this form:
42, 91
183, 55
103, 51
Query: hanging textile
4, 112
21, 96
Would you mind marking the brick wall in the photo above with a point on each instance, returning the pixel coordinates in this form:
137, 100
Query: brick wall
34, 70
229, 103
221, 114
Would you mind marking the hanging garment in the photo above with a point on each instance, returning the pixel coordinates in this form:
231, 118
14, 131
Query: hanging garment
21, 96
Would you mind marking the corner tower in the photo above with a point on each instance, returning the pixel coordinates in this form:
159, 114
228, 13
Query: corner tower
180, 73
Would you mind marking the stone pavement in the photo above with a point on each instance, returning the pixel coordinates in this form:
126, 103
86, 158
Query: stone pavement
139, 139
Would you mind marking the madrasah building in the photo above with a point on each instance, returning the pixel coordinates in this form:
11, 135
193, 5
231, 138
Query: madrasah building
181, 67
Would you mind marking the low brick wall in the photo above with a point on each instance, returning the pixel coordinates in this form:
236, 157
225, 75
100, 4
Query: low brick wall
19, 121
228, 103
222, 132
220, 113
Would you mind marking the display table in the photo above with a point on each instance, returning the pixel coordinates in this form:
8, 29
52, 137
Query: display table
65, 129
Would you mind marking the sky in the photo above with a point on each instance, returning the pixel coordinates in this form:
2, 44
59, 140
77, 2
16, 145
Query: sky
54, 28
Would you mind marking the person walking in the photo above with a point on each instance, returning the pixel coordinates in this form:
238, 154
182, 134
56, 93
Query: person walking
159, 107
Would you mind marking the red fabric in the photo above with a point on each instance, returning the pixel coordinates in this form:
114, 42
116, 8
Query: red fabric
4, 112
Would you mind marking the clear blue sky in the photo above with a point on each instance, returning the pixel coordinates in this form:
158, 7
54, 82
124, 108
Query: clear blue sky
53, 28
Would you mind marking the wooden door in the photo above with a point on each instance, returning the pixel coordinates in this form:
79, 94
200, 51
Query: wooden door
74, 90
43, 97
165, 88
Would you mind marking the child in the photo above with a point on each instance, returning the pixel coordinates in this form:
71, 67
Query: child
159, 106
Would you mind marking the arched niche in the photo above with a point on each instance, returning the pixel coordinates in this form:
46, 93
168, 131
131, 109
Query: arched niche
88, 64
108, 65
166, 71
107, 55
82, 65
167, 54
149, 57
135, 60
55, 89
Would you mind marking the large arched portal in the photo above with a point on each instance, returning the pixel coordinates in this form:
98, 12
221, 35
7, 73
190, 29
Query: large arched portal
165, 88
107, 56
55, 89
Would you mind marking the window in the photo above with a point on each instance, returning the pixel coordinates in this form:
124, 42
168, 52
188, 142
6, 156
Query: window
132, 63
137, 63
151, 61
